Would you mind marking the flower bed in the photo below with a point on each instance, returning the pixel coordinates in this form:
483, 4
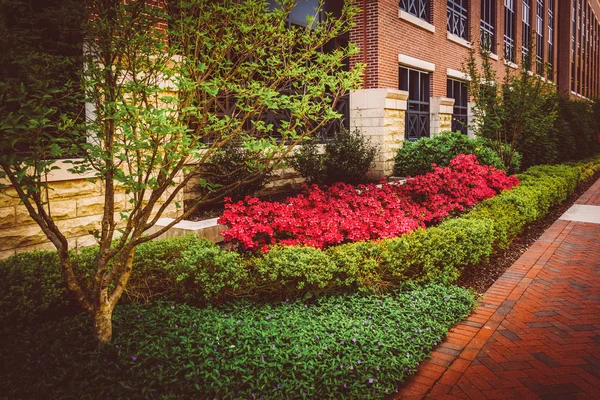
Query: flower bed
340, 213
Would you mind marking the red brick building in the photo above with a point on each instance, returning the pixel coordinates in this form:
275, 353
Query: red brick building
415, 51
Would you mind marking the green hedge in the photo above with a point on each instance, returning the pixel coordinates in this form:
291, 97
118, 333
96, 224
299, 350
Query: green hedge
349, 346
195, 271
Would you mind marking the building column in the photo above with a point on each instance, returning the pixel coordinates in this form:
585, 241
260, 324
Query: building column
441, 109
379, 115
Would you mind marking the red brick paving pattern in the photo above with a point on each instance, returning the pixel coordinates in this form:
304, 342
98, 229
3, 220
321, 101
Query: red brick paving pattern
536, 333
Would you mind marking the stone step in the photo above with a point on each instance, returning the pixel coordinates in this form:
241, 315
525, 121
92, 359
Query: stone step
208, 228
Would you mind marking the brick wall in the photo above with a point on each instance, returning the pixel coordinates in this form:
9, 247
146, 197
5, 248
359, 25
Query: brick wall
387, 36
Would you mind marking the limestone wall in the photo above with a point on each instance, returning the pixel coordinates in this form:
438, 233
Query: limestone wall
441, 115
76, 205
379, 114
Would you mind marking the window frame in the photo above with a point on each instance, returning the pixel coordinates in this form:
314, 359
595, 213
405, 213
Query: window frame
457, 20
525, 28
417, 118
417, 8
539, 37
550, 40
509, 30
487, 25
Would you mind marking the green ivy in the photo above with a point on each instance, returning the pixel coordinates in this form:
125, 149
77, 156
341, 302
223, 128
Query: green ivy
351, 346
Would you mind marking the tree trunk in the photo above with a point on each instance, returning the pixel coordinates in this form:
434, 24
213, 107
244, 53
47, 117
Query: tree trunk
103, 324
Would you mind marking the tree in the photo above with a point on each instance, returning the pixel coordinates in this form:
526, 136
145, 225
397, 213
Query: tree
156, 77
516, 114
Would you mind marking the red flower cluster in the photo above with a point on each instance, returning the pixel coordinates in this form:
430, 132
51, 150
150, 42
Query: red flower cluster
341, 213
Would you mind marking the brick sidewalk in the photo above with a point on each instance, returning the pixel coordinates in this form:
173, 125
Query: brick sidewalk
536, 334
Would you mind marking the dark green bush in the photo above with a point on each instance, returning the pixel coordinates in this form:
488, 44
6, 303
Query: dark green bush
351, 346
31, 284
415, 158
233, 164
576, 130
347, 158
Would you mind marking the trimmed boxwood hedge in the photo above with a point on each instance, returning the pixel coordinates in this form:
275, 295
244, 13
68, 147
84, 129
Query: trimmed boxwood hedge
195, 271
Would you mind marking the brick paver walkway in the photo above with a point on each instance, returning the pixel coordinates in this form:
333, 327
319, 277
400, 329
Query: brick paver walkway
536, 334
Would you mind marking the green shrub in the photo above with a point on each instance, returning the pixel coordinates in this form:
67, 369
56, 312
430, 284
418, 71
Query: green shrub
233, 164
206, 271
576, 130
415, 158
294, 269
347, 158
351, 346
31, 285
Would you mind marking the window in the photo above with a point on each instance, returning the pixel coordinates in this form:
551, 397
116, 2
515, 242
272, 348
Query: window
457, 90
417, 84
457, 22
509, 30
578, 54
550, 39
573, 30
526, 28
539, 38
418, 8
487, 38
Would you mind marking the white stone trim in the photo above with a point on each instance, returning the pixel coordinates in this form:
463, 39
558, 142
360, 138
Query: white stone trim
403, 15
409, 61
455, 74
511, 64
493, 56
458, 40
380, 98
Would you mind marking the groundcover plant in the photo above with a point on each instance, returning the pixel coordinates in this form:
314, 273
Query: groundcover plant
349, 346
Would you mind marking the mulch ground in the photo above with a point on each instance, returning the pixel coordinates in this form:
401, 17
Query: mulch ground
481, 276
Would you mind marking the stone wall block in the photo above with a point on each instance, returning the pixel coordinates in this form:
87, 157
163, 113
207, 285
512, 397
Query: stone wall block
7, 217
9, 198
76, 188
6, 254
59, 210
85, 241
94, 205
21, 236
47, 246
80, 226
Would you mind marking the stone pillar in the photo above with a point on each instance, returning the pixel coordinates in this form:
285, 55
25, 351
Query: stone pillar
379, 115
441, 109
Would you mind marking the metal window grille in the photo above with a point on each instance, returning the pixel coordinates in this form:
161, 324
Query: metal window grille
487, 37
526, 28
509, 30
573, 30
417, 83
457, 20
551, 39
578, 55
539, 35
457, 90
418, 8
